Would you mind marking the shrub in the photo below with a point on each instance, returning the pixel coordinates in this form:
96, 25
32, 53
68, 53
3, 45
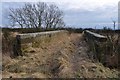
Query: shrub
107, 52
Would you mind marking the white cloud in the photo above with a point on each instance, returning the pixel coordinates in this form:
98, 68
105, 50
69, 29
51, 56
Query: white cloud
82, 11
76, 4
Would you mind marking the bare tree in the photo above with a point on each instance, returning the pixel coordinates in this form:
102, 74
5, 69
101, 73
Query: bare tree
114, 23
37, 15
54, 17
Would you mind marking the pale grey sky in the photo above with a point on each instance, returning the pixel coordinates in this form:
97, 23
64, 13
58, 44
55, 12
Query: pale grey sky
80, 13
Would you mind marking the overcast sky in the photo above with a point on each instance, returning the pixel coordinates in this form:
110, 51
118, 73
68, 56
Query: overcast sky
77, 13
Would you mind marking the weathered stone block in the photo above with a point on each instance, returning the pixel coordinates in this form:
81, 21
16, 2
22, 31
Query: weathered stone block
33, 39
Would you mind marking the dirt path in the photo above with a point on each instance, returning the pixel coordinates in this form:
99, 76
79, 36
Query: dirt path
40, 60
64, 57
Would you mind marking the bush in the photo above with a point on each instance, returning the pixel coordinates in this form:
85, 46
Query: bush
107, 52
7, 42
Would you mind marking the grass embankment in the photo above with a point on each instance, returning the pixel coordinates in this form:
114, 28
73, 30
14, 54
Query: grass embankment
64, 56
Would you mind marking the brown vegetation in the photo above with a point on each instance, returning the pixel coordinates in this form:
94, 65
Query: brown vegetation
108, 52
64, 56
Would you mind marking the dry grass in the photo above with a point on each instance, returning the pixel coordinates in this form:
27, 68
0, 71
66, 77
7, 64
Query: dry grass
107, 52
64, 56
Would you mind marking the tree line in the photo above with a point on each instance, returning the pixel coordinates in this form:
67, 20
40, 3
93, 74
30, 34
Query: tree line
37, 15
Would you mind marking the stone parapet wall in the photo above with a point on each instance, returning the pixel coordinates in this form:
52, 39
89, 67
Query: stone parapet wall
91, 36
28, 39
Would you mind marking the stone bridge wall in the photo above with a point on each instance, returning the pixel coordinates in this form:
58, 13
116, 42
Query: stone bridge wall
28, 39
94, 37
